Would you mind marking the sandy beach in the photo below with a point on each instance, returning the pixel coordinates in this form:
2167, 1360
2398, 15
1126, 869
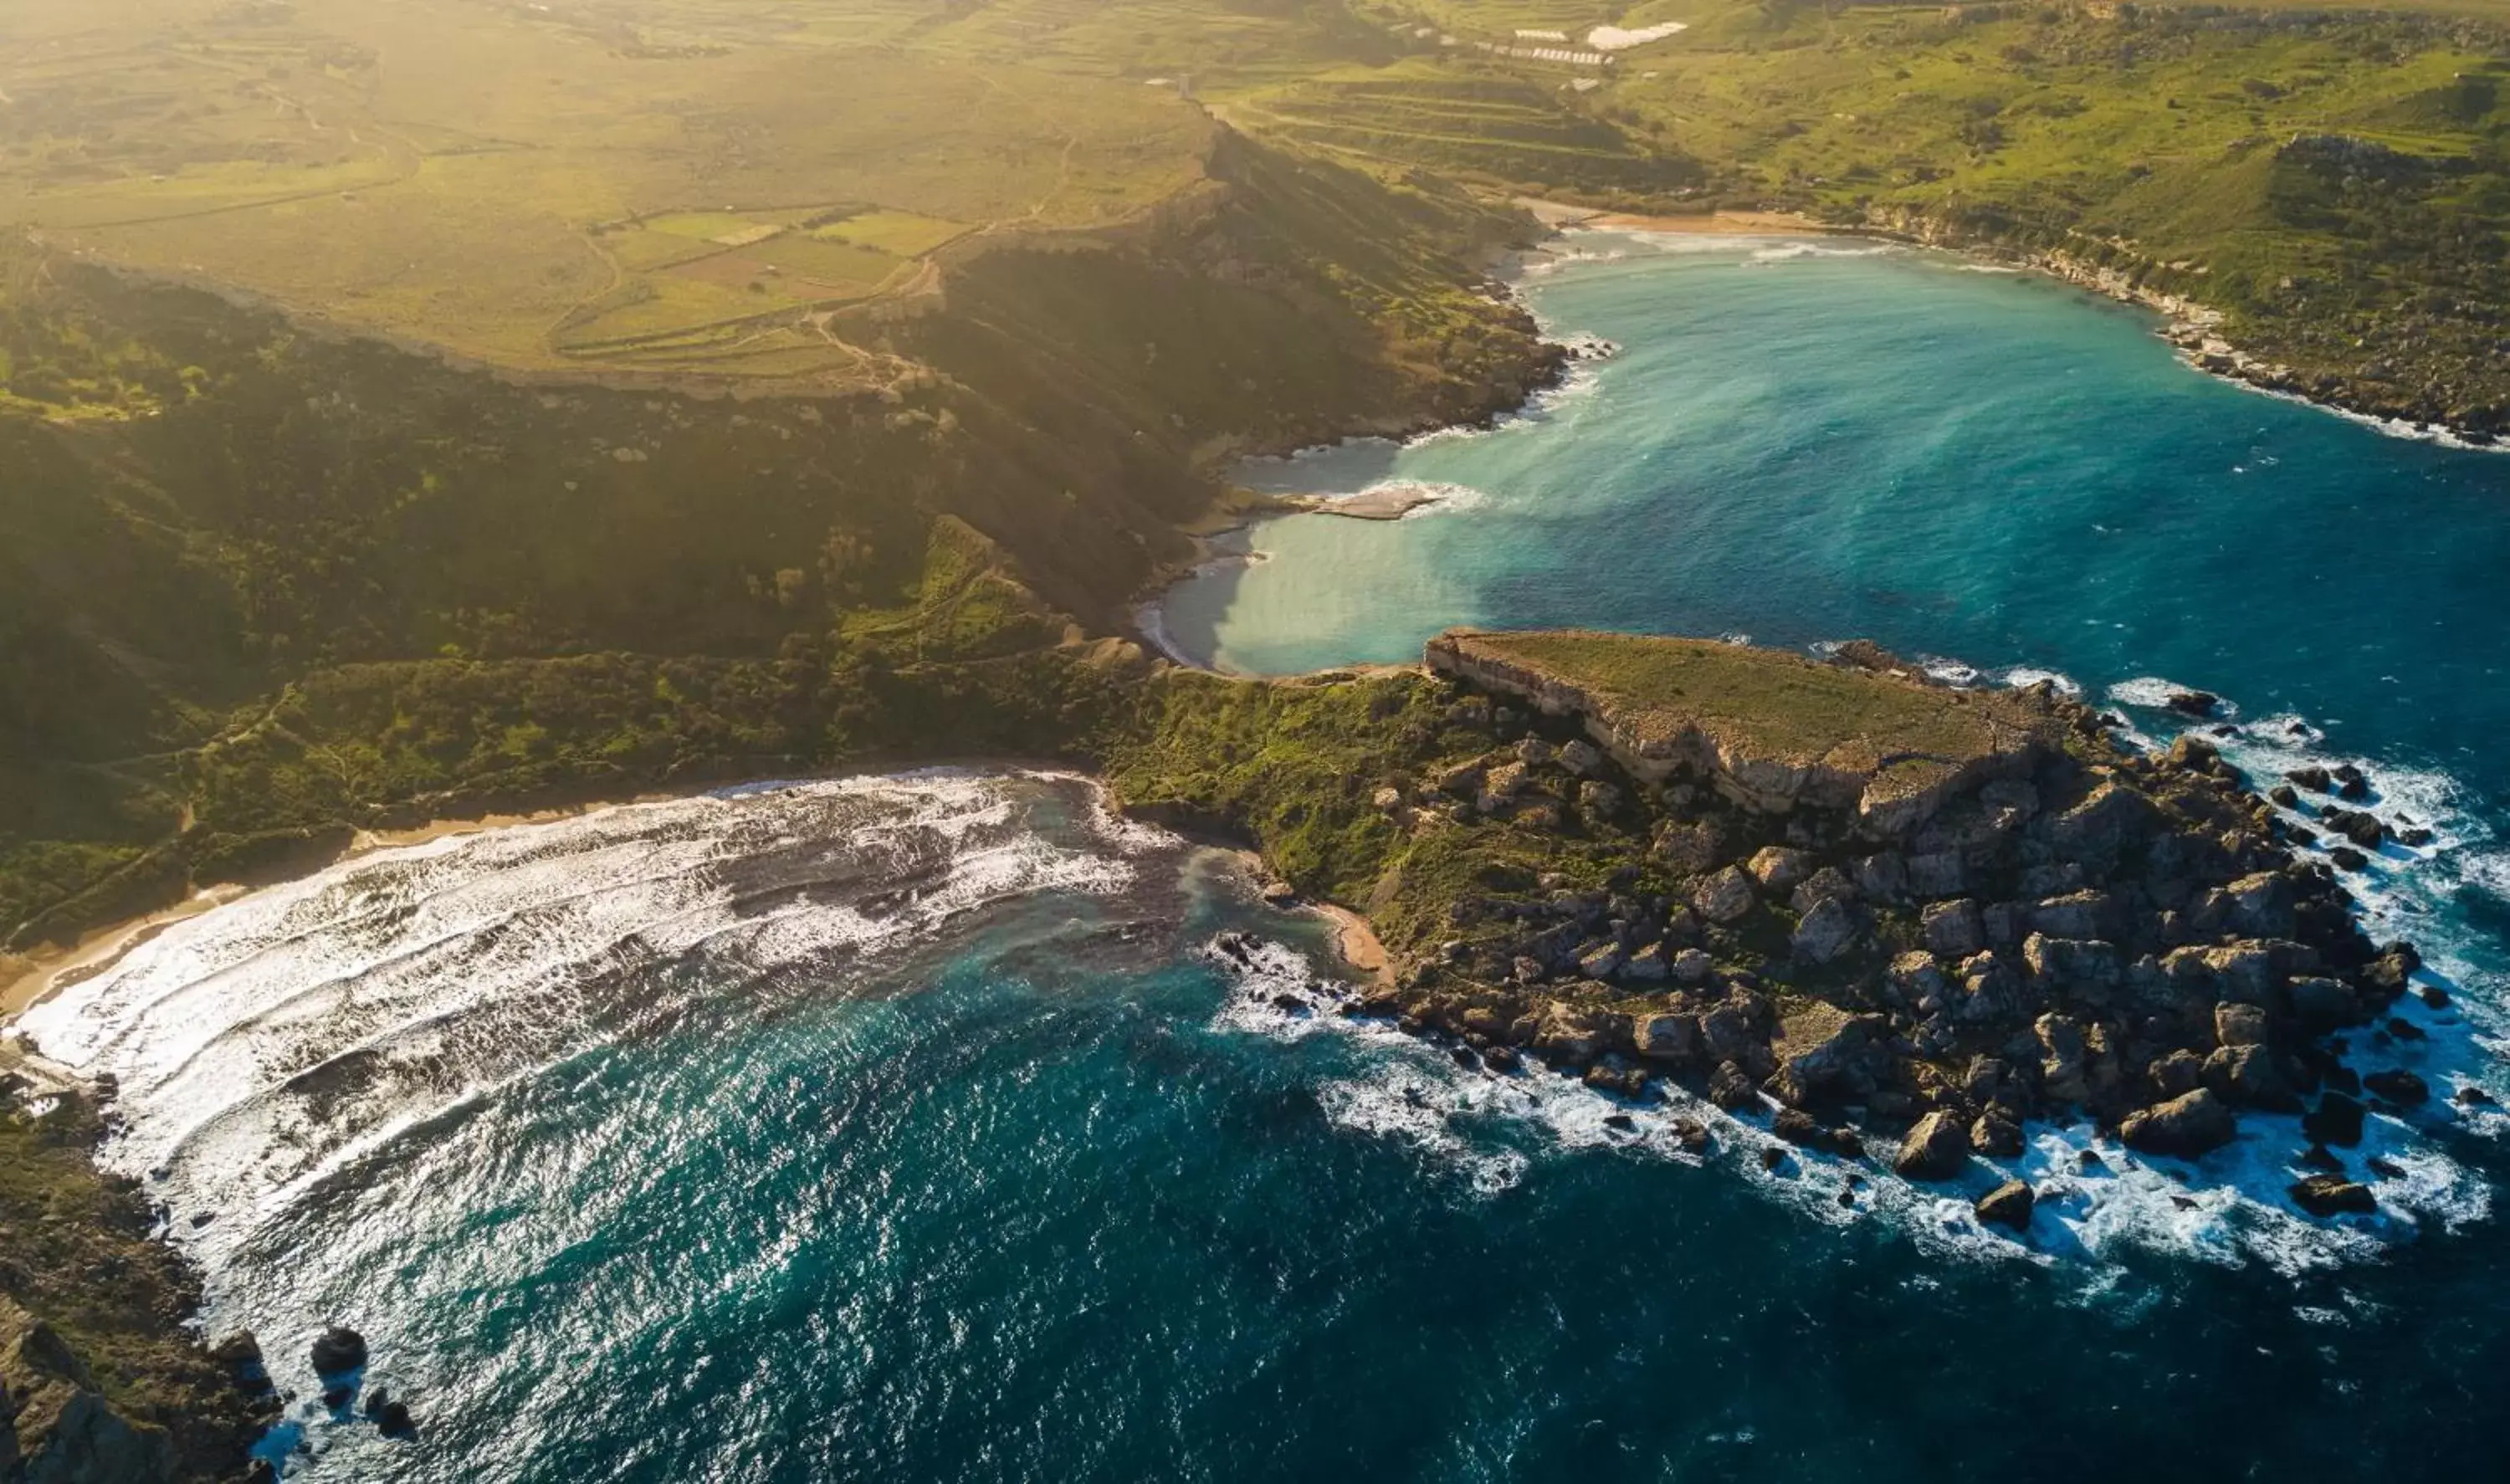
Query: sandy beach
1560, 217
26, 978
1356, 942
1716, 224
29, 978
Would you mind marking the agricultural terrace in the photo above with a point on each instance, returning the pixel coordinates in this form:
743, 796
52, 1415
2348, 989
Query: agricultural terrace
701, 189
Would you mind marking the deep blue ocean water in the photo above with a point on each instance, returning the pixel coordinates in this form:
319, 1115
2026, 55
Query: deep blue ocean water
905, 1128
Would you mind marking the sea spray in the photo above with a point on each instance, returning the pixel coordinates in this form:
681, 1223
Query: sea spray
2099, 1203
1038, 1189
274, 1043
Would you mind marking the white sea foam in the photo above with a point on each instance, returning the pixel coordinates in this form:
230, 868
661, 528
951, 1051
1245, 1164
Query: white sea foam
1795, 251
2488, 872
1422, 1114
1549, 262
2233, 1208
1964, 676
1278, 992
261, 1047
2405, 891
2386, 427
2020, 675
2229, 1208
2153, 693
1430, 496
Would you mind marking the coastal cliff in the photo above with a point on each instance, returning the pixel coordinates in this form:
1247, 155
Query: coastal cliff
1660, 858
98, 1379
1796, 734
1881, 914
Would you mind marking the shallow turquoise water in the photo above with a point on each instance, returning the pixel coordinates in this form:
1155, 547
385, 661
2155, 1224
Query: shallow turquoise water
1990, 466
1811, 442
905, 1128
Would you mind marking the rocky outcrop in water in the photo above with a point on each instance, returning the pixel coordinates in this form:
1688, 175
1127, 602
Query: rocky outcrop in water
2044, 926
338, 1351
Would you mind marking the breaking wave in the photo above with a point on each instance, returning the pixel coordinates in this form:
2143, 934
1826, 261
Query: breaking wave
2097, 1203
269, 1046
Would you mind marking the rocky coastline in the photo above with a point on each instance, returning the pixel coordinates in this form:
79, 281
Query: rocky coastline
2198, 330
2055, 927
100, 1376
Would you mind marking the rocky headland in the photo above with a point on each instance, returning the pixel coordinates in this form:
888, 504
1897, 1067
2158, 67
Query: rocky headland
100, 1379
1897, 917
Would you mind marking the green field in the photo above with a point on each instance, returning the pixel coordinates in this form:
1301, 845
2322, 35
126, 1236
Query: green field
1757, 702
640, 185
1471, 118
900, 234
2334, 183
1254, 225
2338, 188
517, 186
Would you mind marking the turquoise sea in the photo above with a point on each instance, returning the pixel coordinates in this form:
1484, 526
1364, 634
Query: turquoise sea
913, 1127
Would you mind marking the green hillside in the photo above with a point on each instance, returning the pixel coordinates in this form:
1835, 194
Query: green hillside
225, 538
2336, 184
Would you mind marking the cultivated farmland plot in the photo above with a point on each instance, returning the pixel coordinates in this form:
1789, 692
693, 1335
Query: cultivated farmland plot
532, 188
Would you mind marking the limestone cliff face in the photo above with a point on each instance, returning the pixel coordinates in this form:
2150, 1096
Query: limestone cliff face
1871, 904
100, 1382
1891, 789
59, 1428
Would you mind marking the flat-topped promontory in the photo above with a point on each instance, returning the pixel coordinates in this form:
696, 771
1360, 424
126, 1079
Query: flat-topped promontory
1827, 890
1769, 729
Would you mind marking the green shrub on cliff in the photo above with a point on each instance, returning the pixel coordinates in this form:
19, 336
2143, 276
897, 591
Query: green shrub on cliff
96, 1377
1297, 768
332, 579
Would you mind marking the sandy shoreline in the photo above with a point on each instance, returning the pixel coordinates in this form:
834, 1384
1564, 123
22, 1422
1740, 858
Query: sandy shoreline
1560, 217
28, 979
1356, 940
1717, 224
2194, 329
